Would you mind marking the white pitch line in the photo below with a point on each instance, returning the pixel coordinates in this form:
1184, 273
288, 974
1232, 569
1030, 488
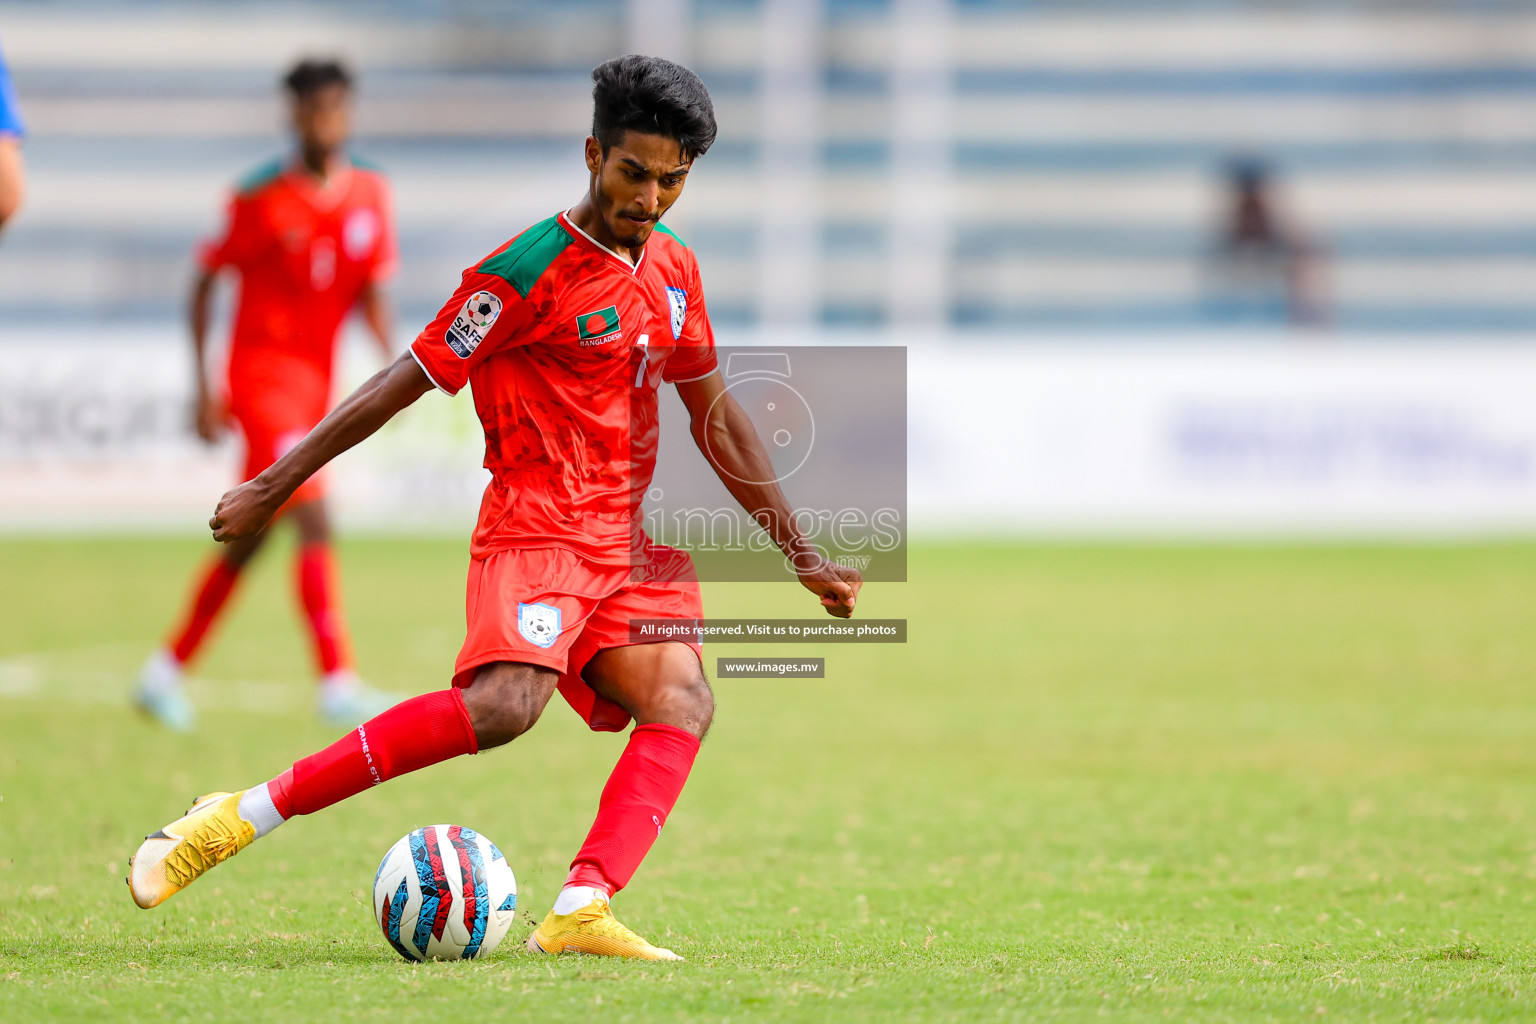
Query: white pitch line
60, 675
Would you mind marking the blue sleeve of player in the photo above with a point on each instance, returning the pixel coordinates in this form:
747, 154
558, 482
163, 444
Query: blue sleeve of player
10, 114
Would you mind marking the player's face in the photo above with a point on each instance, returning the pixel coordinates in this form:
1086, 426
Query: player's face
635, 183
323, 118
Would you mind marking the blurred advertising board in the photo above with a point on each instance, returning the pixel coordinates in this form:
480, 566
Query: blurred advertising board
1224, 436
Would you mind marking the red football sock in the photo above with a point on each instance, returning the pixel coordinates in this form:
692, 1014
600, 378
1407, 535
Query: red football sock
280, 790
634, 806
413, 734
315, 572
218, 580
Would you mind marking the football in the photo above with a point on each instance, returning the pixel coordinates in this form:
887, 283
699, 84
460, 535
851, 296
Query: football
482, 309
444, 892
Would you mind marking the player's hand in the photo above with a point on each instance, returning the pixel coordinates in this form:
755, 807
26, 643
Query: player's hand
210, 417
836, 585
244, 511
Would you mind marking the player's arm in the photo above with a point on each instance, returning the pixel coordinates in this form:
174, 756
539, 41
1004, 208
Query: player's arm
250, 507
378, 315
378, 312
729, 441
208, 409
242, 237
13, 178
457, 339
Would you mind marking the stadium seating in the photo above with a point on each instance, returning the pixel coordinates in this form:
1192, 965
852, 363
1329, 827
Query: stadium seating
1084, 163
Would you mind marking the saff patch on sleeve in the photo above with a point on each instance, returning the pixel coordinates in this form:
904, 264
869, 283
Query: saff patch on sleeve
598, 327
678, 300
473, 323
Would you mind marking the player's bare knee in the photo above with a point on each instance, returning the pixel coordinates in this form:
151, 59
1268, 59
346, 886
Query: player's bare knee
683, 697
694, 704
505, 700
313, 524
502, 714
237, 553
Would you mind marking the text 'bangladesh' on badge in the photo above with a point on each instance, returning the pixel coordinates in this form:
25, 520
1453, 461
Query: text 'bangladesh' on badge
598, 327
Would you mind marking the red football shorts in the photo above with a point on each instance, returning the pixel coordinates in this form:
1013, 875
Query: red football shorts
270, 427
551, 607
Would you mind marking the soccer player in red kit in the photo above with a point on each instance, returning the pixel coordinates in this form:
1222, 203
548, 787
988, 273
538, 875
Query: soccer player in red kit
565, 334
311, 239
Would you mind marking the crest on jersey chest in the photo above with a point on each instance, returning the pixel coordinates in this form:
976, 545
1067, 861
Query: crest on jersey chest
538, 623
359, 233
678, 300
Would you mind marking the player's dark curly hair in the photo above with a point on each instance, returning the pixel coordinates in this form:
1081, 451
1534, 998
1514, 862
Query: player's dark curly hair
653, 96
309, 76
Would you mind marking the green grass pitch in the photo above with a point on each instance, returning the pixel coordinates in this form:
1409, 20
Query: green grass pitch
1136, 783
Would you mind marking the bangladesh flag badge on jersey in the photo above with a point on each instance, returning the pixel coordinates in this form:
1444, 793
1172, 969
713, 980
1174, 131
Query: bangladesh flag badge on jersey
598, 327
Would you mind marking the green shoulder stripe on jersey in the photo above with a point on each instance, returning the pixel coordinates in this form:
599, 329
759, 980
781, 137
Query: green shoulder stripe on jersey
260, 176
670, 234
523, 262
364, 165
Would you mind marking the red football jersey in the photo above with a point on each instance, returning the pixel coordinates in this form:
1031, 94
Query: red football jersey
565, 345
304, 251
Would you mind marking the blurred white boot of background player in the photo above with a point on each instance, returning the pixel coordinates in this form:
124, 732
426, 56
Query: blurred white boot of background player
344, 700
160, 693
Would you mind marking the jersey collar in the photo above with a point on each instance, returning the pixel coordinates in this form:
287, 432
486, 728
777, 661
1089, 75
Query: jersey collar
631, 268
321, 194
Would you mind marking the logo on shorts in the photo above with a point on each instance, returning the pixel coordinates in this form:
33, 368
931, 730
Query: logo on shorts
472, 324
539, 623
598, 327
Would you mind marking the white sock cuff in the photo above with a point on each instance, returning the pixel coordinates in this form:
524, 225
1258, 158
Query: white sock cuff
256, 807
573, 897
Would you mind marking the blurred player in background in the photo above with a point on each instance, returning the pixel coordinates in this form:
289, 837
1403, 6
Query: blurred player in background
567, 334
1267, 269
12, 174
310, 238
